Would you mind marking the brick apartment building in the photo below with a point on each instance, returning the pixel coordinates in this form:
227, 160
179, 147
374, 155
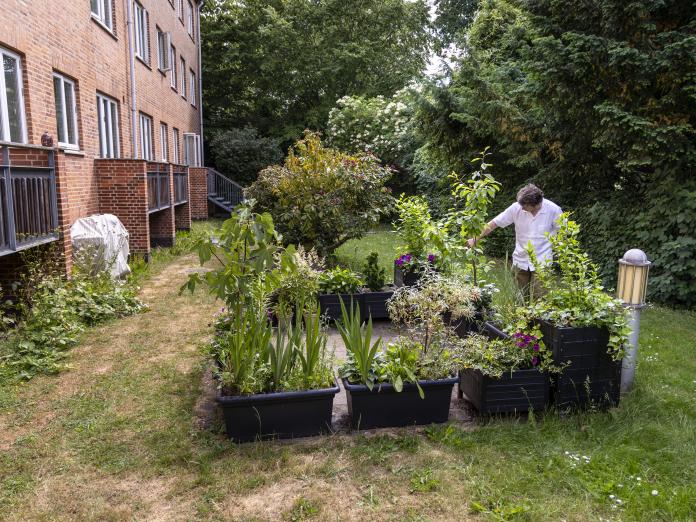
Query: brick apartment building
116, 84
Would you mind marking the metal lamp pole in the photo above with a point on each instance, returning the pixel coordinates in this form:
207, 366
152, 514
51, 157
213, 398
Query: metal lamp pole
631, 289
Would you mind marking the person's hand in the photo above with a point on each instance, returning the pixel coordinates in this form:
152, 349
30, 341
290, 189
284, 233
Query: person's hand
471, 243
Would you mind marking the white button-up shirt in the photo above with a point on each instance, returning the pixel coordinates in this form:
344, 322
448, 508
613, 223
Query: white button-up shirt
529, 228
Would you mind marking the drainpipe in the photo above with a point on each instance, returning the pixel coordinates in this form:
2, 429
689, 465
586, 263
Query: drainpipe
200, 80
131, 63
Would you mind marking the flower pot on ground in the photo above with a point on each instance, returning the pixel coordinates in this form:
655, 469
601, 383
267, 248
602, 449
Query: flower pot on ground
383, 406
374, 304
405, 277
336, 285
330, 304
278, 415
590, 375
501, 375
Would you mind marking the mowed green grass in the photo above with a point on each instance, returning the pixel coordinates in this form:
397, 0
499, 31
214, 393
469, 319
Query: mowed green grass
117, 437
384, 241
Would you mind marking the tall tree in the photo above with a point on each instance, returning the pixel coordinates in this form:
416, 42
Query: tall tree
280, 65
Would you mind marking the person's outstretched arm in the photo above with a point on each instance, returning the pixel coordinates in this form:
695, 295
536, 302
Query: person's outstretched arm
490, 227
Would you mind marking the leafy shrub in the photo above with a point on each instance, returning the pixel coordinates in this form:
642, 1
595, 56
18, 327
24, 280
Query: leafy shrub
320, 197
493, 357
241, 153
299, 280
54, 311
375, 275
339, 281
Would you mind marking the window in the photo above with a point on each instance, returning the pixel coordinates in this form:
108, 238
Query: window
192, 87
164, 142
192, 148
172, 64
180, 9
163, 50
66, 111
145, 137
13, 126
183, 77
107, 114
102, 10
175, 146
189, 18
142, 39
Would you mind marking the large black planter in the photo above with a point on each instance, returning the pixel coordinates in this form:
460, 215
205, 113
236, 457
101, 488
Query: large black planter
277, 415
375, 304
330, 305
463, 327
591, 377
405, 278
383, 406
519, 391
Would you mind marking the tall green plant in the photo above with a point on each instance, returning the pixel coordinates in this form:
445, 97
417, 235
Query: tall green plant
358, 341
312, 350
474, 198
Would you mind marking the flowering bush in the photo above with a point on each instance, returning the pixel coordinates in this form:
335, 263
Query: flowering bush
320, 197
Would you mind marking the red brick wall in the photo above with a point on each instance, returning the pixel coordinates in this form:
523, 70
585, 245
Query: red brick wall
198, 192
123, 189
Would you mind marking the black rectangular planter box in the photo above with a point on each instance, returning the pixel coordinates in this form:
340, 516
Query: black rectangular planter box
463, 327
277, 415
384, 407
402, 278
592, 377
519, 391
330, 305
375, 304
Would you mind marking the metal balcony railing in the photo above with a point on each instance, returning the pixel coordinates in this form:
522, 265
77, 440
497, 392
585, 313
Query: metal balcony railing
222, 191
157, 186
181, 189
28, 197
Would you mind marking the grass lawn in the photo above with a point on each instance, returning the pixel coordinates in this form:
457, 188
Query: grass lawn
120, 436
383, 241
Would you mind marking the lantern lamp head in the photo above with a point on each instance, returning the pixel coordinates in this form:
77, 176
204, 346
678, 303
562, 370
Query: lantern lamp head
633, 277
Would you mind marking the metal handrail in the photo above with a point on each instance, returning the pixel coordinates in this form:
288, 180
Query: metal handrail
28, 200
223, 189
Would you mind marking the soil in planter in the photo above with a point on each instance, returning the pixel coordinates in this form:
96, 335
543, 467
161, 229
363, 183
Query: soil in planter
519, 391
384, 407
591, 377
278, 415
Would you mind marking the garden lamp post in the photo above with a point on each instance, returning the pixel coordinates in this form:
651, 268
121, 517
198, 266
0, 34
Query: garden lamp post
632, 285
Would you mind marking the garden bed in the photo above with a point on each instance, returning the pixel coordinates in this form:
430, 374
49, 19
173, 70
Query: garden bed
384, 407
590, 376
278, 415
372, 304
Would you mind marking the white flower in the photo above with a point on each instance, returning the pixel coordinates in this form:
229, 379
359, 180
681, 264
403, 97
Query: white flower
654, 492
612, 497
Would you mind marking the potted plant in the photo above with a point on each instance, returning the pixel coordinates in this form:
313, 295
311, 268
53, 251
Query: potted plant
583, 326
272, 383
400, 385
337, 285
502, 373
467, 304
298, 283
376, 294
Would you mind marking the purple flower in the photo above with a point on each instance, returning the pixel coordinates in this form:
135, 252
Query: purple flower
517, 335
527, 338
536, 347
535, 360
431, 258
520, 344
400, 261
407, 258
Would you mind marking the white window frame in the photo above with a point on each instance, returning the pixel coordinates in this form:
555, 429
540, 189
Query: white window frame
182, 63
164, 42
173, 79
66, 116
164, 142
189, 18
145, 122
107, 124
141, 33
4, 112
192, 87
103, 12
196, 149
175, 146
180, 10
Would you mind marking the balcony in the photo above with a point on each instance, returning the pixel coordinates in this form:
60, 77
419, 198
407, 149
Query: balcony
157, 187
28, 198
181, 189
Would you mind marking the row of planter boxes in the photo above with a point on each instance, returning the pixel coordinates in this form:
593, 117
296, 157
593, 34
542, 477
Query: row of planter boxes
590, 376
307, 413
